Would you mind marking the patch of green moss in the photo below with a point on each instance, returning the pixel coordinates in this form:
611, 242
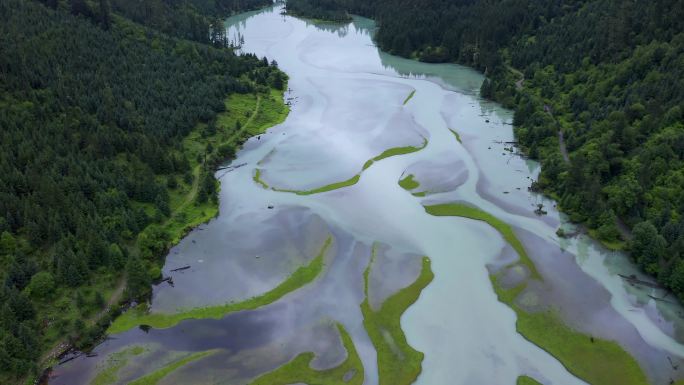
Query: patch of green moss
257, 179
409, 183
398, 362
400, 151
109, 374
524, 380
409, 97
140, 316
333, 186
299, 369
458, 137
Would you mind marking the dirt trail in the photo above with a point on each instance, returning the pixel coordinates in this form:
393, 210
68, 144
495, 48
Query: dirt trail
563, 149
518, 83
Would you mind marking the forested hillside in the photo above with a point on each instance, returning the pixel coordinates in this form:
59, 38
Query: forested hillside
602, 78
94, 111
329, 10
198, 20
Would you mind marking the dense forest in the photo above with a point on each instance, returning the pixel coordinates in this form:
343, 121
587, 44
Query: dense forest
93, 110
197, 20
329, 10
598, 92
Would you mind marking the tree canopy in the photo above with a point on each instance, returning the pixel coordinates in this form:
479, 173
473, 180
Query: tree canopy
93, 110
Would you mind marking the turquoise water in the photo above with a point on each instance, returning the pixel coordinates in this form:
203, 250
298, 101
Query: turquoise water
347, 106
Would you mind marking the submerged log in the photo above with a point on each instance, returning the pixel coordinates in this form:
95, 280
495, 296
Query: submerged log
675, 367
180, 268
662, 299
634, 280
69, 358
231, 168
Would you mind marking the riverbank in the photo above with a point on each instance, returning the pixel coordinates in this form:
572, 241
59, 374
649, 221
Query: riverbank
139, 315
246, 115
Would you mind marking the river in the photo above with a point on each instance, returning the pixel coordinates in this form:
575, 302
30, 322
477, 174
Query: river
349, 103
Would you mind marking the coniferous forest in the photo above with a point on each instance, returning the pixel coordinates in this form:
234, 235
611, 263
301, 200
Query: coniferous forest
98, 98
597, 87
95, 99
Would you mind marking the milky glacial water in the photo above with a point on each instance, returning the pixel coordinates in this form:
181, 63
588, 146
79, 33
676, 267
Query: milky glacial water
347, 106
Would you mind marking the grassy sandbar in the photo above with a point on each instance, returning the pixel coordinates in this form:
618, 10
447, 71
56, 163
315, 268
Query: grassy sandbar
140, 316
299, 369
596, 361
398, 362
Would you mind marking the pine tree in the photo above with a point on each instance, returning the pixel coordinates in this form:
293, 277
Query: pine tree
138, 281
105, 14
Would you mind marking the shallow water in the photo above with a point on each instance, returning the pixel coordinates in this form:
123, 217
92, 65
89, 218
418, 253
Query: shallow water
348, 107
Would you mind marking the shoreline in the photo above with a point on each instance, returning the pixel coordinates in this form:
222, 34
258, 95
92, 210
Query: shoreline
56, 355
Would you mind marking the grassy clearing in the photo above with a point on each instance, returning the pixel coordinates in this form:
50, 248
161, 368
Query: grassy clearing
140, 315
299, 369
458, 137
398, 362
156, 376
109, 374
524, 380
409, 183
461, 210
246, 115
599, 362
409, 97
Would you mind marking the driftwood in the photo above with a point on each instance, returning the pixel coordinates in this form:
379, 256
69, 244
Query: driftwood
231, 168
181, 268
70, 358
570, 234
675, 367
661, 299
634, 280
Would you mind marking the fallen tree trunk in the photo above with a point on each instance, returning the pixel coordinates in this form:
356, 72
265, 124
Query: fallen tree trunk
634, 280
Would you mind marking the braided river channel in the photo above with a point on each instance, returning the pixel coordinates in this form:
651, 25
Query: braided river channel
315, 227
